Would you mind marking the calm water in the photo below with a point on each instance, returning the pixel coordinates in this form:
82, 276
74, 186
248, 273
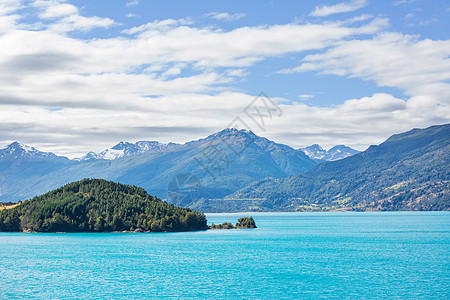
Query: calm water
291, 255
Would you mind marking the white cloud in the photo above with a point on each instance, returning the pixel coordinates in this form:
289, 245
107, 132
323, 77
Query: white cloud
9, 6
165, 80
378, 103
79, 23
237, 72
157, 25
59, 10
66, 17
356, 122
225, 16
241, 47
305, 96
390, 59
8, 18
401, 2
343, 7
174, 71
420, 68
428, 22
132, 3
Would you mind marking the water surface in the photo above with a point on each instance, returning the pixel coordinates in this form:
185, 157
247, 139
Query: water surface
291, 255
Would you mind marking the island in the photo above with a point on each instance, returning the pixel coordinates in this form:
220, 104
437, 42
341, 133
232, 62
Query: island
97, 205
242, 223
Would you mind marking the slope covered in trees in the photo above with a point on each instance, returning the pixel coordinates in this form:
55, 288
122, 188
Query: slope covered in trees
409, 171
96, 205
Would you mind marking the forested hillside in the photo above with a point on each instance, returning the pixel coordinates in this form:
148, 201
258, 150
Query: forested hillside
96, 205
409, 171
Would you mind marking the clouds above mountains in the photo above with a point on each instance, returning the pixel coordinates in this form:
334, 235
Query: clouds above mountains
172, 79
421, 68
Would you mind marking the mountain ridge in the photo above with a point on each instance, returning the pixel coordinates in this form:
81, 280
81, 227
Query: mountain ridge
222, 162
236, 164
124, 148
409, 171
337, 152
19, 150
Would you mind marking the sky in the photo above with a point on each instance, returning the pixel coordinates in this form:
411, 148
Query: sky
79, 76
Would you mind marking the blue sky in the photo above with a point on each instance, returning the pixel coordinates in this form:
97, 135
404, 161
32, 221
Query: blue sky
84, 75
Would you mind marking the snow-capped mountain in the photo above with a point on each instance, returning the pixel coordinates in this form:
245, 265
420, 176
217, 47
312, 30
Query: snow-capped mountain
337, 152
123, 149
223, 162
18, 150
314, 151
243, 142
340, 152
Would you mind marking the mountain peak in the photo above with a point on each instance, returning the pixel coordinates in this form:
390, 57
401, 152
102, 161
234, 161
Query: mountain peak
316, 147
337, 152
17, 149
232, 130
233, 133
123, 149
14, 144
17, 145
122, 145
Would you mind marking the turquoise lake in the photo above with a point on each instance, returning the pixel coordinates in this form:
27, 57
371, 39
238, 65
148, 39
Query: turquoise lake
400, 255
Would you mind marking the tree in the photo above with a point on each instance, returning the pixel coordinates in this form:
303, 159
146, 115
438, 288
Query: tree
246, 223
99, 224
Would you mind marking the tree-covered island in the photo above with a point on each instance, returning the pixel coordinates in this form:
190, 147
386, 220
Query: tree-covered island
96, 205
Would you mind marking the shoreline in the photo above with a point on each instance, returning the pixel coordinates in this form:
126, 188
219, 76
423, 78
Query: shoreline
117, 232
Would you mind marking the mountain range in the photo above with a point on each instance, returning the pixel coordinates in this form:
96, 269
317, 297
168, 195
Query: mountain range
216, 166
409, 171
236, 170
123, 149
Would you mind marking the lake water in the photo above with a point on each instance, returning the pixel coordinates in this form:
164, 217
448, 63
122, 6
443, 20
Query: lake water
290, 256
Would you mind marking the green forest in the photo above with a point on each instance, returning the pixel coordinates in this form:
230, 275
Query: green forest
96, 205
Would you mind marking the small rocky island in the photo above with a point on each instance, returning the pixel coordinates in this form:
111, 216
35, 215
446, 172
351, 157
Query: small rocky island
242, 223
